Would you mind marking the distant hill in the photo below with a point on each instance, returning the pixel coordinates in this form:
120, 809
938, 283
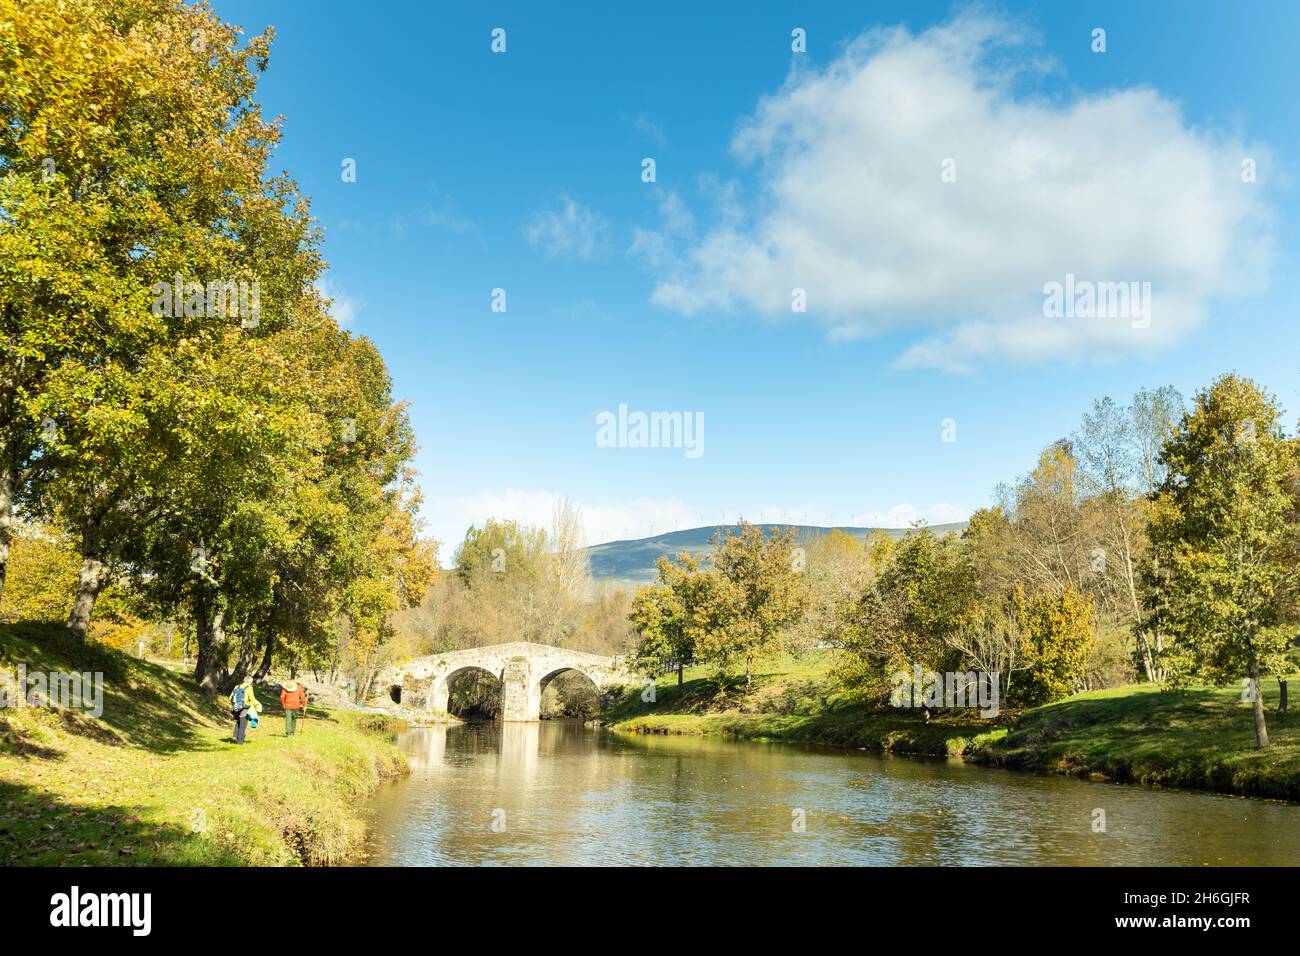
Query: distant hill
632, 563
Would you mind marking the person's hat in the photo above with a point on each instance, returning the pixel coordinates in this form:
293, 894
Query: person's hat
290, 685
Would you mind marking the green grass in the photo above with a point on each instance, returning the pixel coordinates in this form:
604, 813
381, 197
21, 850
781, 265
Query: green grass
1202, 738
793, 699
156, 779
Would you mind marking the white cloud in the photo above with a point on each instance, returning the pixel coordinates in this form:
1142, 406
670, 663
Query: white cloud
1111, 187
574, 231
648, 127
441, 219
656, 247
344, 308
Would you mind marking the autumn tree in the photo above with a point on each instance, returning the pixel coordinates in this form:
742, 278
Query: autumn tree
500, 547
762, 593
837, 567
1056, 635
1224, 535
665, 616
921, 599
1117, 448
1049, 545
135, 185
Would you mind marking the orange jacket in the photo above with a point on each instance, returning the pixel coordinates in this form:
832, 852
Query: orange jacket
293, 699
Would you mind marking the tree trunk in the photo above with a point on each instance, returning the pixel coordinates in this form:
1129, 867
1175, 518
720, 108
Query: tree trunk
94, 575
96, 570
1281, 696
210, 630
679, 675
264, 668
236, 676
1261, 731
6, 513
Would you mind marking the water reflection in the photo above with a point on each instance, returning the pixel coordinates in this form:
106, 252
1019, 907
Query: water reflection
565, 794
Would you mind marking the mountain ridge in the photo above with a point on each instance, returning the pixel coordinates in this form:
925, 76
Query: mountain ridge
630, 562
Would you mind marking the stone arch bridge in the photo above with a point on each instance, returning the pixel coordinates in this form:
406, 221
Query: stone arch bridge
523, 668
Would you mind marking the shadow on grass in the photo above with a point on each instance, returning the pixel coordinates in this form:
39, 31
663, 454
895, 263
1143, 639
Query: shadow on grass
1134, 716
802, 711
20, 741
38, 830
1200, 738
144, 705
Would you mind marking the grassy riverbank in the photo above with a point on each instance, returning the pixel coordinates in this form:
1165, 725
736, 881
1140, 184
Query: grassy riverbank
1201, 738
156, 780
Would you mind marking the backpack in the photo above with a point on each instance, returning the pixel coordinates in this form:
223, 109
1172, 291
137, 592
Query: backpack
237, 698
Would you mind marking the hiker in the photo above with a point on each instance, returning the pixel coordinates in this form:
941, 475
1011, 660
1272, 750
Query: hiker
293, 698
243, 707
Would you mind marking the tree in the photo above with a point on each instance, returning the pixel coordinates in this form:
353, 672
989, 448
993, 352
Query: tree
837, 567
42, 575
1056, 633
664, 617
921, 600
501, 548
1118, 453
760, 593
988, 539
98, 216
1048, 546
660, 624
1225, 538
1153, 413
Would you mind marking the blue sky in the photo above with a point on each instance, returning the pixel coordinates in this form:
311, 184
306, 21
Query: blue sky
775, 170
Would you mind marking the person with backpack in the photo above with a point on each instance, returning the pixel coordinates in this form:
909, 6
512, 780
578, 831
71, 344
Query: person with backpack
243, 705
293, 698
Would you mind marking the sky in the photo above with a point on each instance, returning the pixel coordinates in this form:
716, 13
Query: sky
840, 265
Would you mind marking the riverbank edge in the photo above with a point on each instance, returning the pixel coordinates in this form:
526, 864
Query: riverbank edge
982, 743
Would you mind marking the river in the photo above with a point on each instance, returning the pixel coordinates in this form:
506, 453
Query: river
559, 793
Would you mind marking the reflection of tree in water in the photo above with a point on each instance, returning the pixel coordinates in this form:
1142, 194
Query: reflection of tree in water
570, 694
474, 694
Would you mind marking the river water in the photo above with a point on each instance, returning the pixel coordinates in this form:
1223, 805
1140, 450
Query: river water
559, 793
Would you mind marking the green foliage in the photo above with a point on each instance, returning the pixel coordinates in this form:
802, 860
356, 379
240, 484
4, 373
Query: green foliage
1056, 640
42, 575
922, 596
755, 595
500, 548
231, 450
1224, 532
730, 613
668, 617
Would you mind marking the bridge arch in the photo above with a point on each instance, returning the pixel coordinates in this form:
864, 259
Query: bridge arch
485, 690
524, 669
548, 679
